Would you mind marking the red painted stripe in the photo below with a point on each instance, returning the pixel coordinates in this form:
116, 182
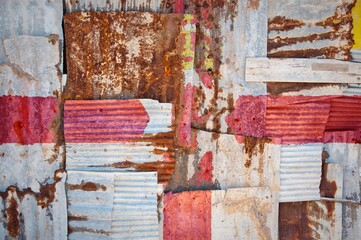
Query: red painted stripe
27, 120
342, 137
187, 215
104, 121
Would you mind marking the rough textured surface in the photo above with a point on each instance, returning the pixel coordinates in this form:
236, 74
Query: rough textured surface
312, 29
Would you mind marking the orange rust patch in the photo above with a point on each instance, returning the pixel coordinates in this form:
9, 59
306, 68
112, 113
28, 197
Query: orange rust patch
87, 186
283, 24
254, 4
13, 223
77, 218
251, 143
279, 88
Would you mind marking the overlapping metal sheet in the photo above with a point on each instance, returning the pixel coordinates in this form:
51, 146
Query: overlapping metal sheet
240, 213
300, 172
120, 135
310, 29
35, 18
112, 205
35, 215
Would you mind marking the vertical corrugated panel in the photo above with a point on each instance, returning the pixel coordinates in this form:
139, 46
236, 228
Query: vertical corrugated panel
35, 215
112, 205
36, 18
135, 213
297, 123
345, 114
300, 172
310, 29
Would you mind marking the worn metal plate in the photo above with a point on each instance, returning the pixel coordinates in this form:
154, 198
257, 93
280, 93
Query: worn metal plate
300, 172
27, 214
33, 68
302, 70
310, 29
241, 213
120, 135
35, 18
112, 205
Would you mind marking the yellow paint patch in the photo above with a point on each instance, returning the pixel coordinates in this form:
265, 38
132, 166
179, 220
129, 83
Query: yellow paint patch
356, 15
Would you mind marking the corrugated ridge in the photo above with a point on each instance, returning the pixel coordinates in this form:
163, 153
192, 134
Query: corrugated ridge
135, 206
345, 114
300, 172
297, 123
353, 89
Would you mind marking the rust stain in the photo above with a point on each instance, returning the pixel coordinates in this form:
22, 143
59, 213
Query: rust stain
327, 188
280, 23
77, 218
53, 38
253, 145
86, 186
276, 89
89, 230
254, 4
327, 52
293, 221
13, 223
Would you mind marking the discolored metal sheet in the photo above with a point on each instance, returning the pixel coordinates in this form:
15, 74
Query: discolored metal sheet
112, 205
319, 29
27, 214
33, 68
126, 55
300, 172
240, 213
33, 18
120, 135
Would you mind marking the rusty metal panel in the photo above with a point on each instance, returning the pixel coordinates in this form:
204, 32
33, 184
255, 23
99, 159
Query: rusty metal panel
300, 172
33, 68
240, 213
120, 135
353, 90
319, 29
35, 215
112, 205
36, 18
302, 70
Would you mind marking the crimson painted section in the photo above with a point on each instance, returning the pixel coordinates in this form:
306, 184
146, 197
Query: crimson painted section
187, 215
206, 168
92, 121
248, 117
345, 114
27, 120
342, 137
184, 123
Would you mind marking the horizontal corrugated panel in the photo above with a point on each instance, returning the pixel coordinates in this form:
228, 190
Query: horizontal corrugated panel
311, 29
35, 215
353, 89
301, 122
28, 120
345, 114
114, 120
342, 137
36, 18
29, 166
112, 205
33, 69
300, 172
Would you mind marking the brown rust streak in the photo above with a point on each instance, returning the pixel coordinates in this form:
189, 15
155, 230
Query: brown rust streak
86, 186
13, 223
254, 4
328, 52
77, 218
251, 143
293, 221
275, 89
90, 230
280, 23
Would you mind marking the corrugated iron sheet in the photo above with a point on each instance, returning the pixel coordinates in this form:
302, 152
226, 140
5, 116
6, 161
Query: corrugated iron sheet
242, 213
300, 172
353, 89
120, 135
112, 205
311, 29
35, 215
36, 18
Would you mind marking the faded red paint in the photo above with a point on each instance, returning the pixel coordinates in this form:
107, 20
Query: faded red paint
342, 137
206, 79
184, 122
248, 117
178, 6
205, 169
28, 120
187, 215
93, 121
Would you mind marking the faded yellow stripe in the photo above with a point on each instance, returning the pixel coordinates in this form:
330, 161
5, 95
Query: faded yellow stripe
356, 15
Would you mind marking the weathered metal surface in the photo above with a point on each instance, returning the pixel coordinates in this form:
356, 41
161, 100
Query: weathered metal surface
36, 18
28, 120
126, 55
300, 172
227, 33
33, 68
353, 90
356, 55
310, 29
302, 70
29, 166
345, 114
115, 6
35, 215
120, 135
241, 213
112, 205
296, 120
